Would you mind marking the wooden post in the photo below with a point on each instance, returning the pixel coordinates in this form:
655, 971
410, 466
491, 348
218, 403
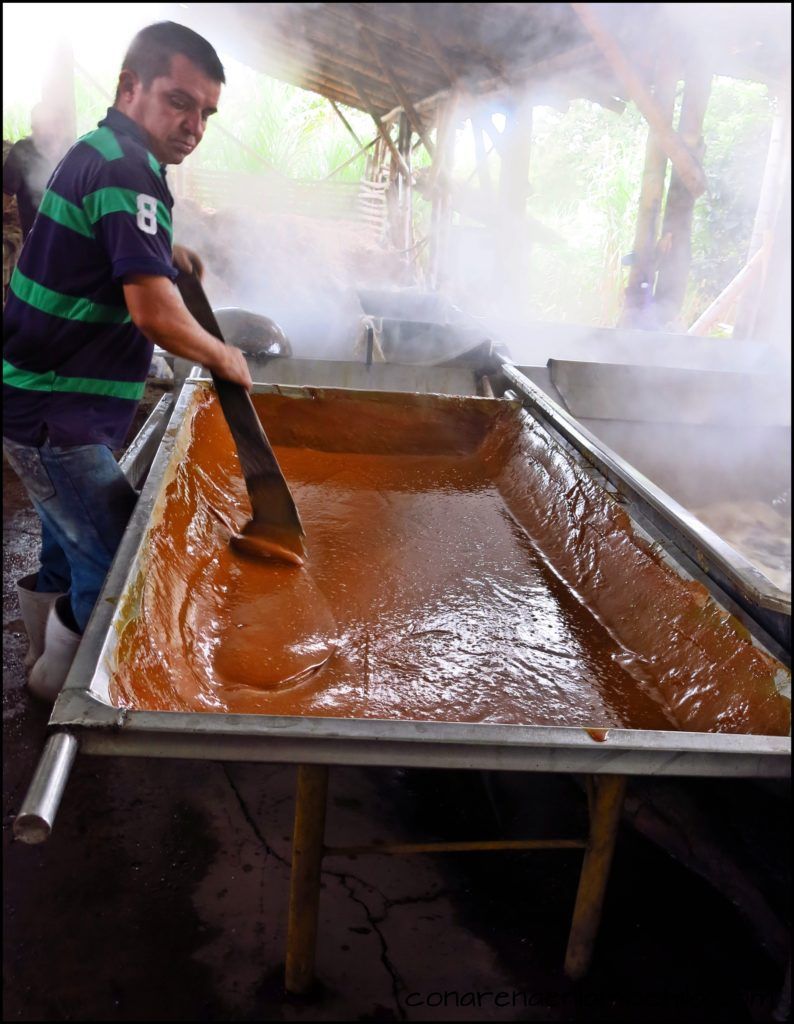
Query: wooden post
639, 292
382, 129
307, 855
393, 204
675, 246
406, 192
607, 804
440, 185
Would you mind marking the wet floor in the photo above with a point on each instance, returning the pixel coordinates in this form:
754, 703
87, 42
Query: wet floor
162, 894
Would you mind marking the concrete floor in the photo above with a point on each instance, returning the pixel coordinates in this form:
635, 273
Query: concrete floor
162, 894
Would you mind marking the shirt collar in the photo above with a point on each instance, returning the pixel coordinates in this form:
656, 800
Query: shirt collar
121, 123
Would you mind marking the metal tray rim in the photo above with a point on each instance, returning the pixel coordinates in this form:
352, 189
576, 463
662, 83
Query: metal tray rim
83, 706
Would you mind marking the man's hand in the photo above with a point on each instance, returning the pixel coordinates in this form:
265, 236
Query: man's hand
157, 310
230, 364
188, 261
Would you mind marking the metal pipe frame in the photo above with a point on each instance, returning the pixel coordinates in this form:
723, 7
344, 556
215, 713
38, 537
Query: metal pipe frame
34, 822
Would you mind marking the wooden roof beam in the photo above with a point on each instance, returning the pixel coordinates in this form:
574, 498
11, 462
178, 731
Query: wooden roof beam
347, 124
407, 104
382, 130
688, 167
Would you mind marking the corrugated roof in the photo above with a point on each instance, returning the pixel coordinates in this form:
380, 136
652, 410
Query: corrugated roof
374, 56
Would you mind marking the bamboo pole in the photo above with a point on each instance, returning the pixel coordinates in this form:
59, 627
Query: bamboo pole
347, 125
382, 130
682, 159
350, 160
722, 304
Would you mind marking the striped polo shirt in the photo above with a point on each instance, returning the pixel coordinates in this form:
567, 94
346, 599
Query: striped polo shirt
74, 364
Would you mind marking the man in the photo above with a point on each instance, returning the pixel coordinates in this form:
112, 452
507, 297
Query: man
92, 292
31, 161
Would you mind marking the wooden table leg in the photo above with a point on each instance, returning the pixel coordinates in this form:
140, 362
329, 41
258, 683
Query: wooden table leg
604, 821
307, 856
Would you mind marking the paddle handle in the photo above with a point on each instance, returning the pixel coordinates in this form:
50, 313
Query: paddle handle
271, 500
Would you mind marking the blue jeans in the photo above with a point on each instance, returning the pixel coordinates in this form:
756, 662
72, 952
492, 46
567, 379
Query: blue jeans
84, 503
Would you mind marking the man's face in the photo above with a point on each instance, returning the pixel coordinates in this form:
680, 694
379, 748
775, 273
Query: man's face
173, 111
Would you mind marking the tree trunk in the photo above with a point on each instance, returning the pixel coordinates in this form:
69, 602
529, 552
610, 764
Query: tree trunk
638, 310
676, 242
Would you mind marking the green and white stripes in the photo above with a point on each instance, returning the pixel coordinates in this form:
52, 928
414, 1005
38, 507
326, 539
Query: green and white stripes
96, 206
67, 307
120, 200
51, 381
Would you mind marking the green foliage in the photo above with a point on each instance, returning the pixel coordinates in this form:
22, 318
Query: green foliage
736, 131
585, 172
16, 123
585, 175
296, 132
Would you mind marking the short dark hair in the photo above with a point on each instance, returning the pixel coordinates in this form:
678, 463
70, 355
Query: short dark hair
150, 52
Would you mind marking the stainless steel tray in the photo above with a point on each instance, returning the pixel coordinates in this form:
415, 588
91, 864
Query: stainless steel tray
84, 709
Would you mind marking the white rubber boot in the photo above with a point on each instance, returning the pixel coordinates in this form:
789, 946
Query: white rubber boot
34, 608
60, 646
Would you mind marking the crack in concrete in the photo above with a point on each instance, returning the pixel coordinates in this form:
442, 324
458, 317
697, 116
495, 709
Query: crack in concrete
269, 851
349, 881
407, 901
396, 980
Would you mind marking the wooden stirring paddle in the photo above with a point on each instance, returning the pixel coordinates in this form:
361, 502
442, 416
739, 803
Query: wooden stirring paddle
275, 529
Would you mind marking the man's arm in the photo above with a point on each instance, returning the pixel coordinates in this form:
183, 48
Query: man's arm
157, 310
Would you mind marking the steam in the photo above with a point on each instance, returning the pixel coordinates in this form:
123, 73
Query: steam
301, 272
307, 273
